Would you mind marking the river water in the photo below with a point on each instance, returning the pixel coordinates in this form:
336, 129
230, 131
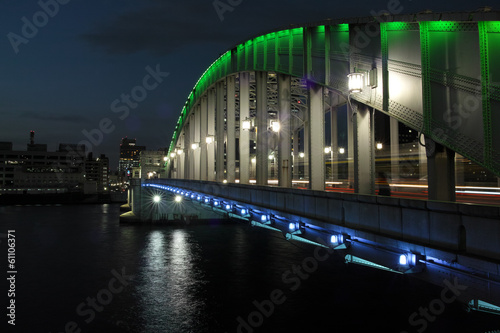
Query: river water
79, 270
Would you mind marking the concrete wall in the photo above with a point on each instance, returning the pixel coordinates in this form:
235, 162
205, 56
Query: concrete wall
459, 229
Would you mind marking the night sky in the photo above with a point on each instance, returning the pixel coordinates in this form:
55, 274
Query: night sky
64, 71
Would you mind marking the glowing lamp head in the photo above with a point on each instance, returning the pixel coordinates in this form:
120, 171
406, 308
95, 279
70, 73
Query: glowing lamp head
292, 226
263, 218
178, 198
243, 211
334, 239
246, 124
228, 207
301, 155
403, 260
355, 82
275, 126
209, 139
342, 150
156, 198
194, 146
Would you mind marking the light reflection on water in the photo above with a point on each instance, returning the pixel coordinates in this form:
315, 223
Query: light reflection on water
199, 279
169, 281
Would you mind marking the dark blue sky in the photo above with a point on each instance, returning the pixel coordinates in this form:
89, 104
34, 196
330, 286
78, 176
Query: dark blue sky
61, 72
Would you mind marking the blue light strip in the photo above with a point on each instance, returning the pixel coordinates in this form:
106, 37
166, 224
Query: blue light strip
293, 230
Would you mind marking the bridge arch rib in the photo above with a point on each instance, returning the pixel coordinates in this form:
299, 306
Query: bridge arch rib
436, 73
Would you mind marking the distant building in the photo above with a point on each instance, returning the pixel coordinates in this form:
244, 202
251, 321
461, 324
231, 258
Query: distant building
129, 155
152, 164
37, 170
97, 172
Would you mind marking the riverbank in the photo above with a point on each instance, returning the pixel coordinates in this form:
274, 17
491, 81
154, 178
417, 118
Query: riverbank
61, 198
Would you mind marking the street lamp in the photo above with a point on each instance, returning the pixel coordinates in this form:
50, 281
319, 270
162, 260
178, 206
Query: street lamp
209, 139
328, 150
380, 146
246, 124
275, 126
156, 199
172, 155
178, 198
194, 146
341, 150
301, 155
179, 152
355, 82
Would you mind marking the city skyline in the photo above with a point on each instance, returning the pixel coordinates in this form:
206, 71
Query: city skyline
97, 72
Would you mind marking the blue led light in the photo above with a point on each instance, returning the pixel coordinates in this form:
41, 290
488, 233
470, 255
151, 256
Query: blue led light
263, 218
243, 211
228, 207
292, 226
207, 200
403, 260
199, 198
334, 239
216, 203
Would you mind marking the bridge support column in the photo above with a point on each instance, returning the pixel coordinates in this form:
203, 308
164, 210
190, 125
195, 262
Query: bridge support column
422, 158
441, 171
296, 154
364, 150
211, 134
187, 151
181, 156
231, 125
203, 138
262, 136
244, 134
285, 142
136, 197
316, 139
197, 139
192, 152
220, 133
394, 130
334, 143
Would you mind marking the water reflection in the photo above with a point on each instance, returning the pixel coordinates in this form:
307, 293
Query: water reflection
170, 282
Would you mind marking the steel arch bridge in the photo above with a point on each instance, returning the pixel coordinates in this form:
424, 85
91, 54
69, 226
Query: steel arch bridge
437, 73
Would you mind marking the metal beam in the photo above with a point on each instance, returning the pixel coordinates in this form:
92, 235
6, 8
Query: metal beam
197, 139
211, 133
364, 150
220, 132
316, 140
262, 135
231, 129
244, 144
285, 137
441, 171
203, 138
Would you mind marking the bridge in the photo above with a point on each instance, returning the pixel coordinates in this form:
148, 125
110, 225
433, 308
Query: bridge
278, 124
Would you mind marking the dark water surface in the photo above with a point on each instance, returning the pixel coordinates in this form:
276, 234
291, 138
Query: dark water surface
79, 270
